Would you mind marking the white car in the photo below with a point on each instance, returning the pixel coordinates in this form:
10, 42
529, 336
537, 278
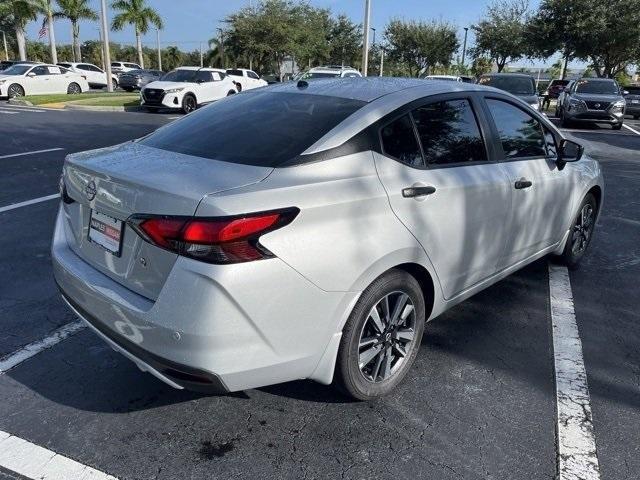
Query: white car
329, 72
123, 67
186, 88
245, 79
96, 77
29, 79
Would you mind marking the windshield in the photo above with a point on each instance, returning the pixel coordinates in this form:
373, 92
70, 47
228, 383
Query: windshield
559, 83
283, 125
597, 87
515, 85
17, 70
633, 90
180, 76
309, 75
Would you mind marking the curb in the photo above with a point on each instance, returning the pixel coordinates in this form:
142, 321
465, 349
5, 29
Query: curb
97, 108
23, 103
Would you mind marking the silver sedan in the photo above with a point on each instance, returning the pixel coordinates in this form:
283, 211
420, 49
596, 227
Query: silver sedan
308, 230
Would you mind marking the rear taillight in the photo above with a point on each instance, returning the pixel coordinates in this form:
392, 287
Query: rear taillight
213, 240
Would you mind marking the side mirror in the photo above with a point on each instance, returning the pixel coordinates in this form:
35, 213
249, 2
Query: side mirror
569, 152
31, 74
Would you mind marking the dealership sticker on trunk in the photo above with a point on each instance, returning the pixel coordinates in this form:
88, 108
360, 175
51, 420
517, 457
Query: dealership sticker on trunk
106, 231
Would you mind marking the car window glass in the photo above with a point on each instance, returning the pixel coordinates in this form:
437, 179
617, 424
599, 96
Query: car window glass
235, 72
350, 74
512, 84
203, 77
282, 127
520, 133
399, 141
216, 76
93, 68
132, 65
253, 75
42, 70
449, 133
54, 70
550, 143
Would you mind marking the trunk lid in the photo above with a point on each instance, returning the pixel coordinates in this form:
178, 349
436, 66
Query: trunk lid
135, 179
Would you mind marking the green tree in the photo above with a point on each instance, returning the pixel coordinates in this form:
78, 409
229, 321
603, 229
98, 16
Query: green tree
17, 14
45, 7
138, 14
480, 66
501, 34
421, 46
171, 58
74, 11
345, 42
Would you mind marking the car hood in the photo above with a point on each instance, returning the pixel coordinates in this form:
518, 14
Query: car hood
592, 97
160, 85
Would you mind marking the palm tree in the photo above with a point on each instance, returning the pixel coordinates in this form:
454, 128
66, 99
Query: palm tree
46, 8
138, 14
18, 13
74, 11
172, 57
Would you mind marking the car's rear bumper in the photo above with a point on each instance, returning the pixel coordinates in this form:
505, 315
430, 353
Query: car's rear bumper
213, 327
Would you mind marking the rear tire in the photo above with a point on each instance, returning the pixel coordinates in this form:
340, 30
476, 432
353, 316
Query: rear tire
114, 84
636, 117
15, 91
230, 92
375, 351
581, 233
189, 103
73, 89
617, 126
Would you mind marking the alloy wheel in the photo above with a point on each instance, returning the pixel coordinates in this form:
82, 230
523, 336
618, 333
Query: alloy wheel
15, 91
386, 338
189, 104
582, 230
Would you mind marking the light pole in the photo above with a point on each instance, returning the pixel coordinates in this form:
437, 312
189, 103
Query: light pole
105, 45
4, 40
365, 45
374, 36
464, 47
159, 52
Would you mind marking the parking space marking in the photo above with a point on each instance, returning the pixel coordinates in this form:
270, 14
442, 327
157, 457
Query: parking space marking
11, 360
34, 152
35, 462
13, 206
630, 128
577, 457
8, 112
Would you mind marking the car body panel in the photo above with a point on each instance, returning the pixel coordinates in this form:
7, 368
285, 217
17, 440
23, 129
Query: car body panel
280, 318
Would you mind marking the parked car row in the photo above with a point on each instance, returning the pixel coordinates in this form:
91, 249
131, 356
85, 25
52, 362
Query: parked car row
35, 79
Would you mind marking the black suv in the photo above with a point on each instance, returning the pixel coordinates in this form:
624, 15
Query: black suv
518, 84
593, 100
632, 96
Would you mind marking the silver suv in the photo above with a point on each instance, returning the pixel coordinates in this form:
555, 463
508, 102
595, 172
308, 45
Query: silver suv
592, 100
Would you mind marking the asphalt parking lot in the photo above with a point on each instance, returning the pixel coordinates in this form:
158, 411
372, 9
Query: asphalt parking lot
479, 403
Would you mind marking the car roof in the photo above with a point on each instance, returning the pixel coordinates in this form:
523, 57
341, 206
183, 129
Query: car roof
522, 75
368, 89
594, 79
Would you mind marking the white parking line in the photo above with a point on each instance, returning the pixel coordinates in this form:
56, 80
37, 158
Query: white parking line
33, 348
13, 206
12, 108
34, 152
577, 457
8, 112
35, 462
630, 128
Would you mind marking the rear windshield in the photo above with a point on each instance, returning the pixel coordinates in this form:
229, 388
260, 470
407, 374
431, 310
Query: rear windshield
257, 128
515, 85
598, 87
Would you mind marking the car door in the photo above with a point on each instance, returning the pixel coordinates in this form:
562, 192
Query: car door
205, 90
58, 83
37, 81
540, 189
442, 184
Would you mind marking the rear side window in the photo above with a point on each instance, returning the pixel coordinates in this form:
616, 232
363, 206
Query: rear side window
204, 77
253, 75
520, 133
237, 73
283, 125
449, 133
399, 141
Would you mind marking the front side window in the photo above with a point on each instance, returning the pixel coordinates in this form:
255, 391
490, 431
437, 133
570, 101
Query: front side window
253, 75
204, 77
40, 70
520, 133
449, 133
399, 141
283, 126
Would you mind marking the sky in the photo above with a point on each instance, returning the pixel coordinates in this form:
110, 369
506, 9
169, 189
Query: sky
189, 22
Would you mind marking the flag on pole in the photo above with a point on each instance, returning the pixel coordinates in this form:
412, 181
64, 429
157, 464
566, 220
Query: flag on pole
43, 30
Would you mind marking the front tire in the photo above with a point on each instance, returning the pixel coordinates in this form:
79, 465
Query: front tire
581, 233
15, 91
382, 336
617, 126
189, 104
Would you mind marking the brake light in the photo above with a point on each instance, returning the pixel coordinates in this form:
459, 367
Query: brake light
218, 240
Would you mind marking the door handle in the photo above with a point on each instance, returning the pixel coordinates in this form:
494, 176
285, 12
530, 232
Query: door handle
412, 192
520, 184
